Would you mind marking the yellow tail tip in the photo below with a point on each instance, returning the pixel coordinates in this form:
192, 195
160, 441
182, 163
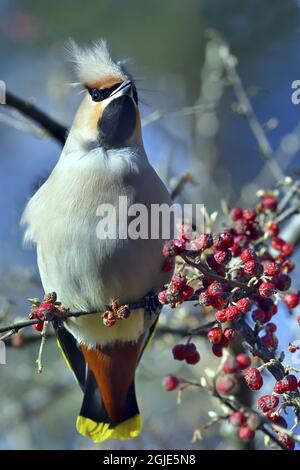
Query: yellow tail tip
99, 432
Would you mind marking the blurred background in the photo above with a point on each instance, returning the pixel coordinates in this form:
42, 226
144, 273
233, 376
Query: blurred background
192, 122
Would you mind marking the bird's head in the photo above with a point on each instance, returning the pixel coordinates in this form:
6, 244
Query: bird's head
109, 114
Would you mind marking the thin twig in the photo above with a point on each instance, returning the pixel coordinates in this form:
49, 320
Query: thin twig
265, 148
43, 341
186, 111
210, 273
182, 182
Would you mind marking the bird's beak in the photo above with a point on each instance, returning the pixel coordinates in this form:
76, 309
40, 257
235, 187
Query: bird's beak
124, 89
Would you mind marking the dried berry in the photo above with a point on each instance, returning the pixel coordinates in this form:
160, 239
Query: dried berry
266, 289
268, 403
253, 378
288, 384
243, 305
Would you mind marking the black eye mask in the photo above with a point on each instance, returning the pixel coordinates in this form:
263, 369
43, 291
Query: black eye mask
117, 123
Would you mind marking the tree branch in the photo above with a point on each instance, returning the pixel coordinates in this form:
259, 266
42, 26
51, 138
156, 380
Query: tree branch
49, 125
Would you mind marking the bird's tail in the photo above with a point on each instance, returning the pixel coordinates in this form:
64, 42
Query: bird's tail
109, 408
106, 376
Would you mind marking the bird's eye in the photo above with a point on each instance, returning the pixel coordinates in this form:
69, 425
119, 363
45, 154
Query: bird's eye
95, 94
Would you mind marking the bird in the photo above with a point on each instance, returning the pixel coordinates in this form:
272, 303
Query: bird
103, 160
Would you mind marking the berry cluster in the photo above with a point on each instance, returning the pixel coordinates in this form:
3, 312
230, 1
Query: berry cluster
243, 272
177, 291
186, 352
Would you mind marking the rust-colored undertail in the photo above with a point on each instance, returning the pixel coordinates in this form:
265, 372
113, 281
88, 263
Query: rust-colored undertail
114, 367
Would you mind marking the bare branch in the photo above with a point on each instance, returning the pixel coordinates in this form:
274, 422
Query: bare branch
51, 126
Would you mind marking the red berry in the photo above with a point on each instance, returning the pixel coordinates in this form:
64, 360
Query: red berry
259, 316
232, 313
180, 245
282, 282
227, 238
193, 359
246, 433
236, 213
217, 301
291, 300
224, 342
271, 268
230, 333
249, 215
179, 352
292, 348
270, 328
277, 243
168, 266
162, 297
248, 255
214, 335
267, 402
243, 360
44, 310
231, 366
215, 288
269, 203
190, 349
298, 319
288, 384
266, 289
226, 385
287, 266
38, 326
287, 249
187, 292
178, 281
221, 315
169, 249
243, 305
170, 383
219, 243
235, 250
253, 378
273, 229
253, 268
223, 257
287, 442
217, 350
237, 418
205, 240
275, 418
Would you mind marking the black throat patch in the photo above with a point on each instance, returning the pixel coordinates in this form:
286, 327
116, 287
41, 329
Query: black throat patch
117, 123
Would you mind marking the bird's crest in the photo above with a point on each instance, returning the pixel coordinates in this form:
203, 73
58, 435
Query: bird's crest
94, 64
